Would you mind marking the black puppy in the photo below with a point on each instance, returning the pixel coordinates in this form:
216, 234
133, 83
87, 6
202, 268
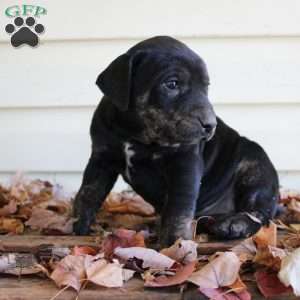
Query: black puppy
156, 127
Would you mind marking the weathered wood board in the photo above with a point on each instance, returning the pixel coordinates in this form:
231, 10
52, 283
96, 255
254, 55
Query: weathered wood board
34, 288
31, 243
39, 288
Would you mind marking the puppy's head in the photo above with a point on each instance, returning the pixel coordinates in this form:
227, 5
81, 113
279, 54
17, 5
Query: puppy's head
164, 85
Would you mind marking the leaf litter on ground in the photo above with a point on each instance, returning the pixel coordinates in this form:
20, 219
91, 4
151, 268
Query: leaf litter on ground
45, 207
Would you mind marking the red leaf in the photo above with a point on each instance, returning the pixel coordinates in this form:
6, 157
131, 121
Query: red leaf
181, 275
269, 284
77, 250
122, 238
220, 294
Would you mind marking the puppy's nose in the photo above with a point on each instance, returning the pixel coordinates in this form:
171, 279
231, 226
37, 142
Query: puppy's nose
209, 130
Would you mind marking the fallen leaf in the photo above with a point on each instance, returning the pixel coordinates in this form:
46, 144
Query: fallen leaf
294, 205
127, 202
266, 236
223, 294
269, 284
3, 195
44, 219
270, 256
83, 250
238, 286
287, 195
184, 251
295, 226
59, 206
245, 250
291, 241
104, 273
181, 275
150, 257
130, 221
122, 238
70, 271
127, 274
221, 271
289, 273
24, 212
8, 209
11, 225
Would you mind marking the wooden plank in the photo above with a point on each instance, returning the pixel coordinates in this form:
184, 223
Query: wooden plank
117, 19
29, 288
34, 287
241, 71
32, 243
43, 289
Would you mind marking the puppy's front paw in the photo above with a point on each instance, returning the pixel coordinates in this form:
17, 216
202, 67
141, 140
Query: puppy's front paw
179, 228
236, 226
81, 228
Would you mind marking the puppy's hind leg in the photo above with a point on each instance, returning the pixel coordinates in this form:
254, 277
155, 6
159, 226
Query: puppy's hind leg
256, 193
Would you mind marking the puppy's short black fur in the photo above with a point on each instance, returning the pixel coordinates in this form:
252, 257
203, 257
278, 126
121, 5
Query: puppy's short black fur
156, 127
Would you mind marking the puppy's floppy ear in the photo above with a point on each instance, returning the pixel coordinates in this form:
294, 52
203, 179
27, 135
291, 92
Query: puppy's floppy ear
115, 81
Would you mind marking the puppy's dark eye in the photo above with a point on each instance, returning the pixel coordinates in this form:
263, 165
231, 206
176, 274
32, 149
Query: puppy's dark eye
172, 84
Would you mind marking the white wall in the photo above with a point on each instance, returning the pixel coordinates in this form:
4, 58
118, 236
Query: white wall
252, 49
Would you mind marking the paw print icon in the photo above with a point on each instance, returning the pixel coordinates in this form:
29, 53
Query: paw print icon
24, 32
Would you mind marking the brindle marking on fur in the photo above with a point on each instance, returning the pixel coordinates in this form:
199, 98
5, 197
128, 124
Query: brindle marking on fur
243, 171
166, 127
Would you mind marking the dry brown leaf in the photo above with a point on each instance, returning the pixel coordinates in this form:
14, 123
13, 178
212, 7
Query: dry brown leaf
127, 274
150, 257
266, 236
238, 286
296, 227
3, 195
181, 275
294, 205
289, 273
103, 273
59, 206
122, 238
221, 271
83, 250
24, 212
270, 256
269, 284
287, 195
130, 221
11, 225
70, 271
8, 209
291, 241
224, 294
184, 251
129, 203
43, 219
245, 250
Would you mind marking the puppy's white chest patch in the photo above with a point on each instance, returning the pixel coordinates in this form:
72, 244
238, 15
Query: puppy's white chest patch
129, 153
